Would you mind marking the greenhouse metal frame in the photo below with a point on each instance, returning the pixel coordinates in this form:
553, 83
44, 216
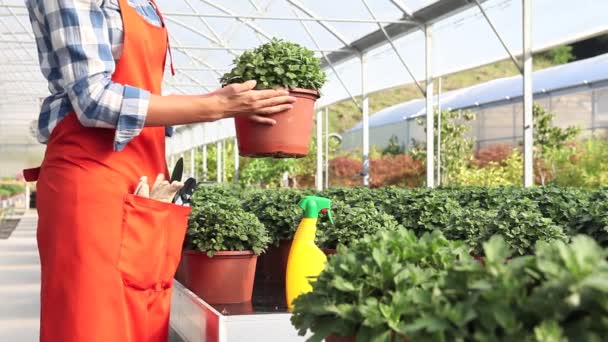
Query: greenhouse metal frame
349, 60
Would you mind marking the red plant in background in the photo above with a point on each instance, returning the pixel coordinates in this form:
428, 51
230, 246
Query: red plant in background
494, 153
398, 169
345, 171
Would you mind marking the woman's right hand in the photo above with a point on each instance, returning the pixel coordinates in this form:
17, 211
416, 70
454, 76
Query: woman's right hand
242, 99
229, 101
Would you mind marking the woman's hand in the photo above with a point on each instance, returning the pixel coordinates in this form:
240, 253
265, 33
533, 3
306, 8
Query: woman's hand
242, 99
232, 100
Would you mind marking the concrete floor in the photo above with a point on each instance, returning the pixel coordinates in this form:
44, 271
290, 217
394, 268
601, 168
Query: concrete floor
19, 283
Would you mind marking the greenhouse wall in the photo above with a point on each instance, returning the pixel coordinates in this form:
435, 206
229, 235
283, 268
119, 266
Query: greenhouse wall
501, 122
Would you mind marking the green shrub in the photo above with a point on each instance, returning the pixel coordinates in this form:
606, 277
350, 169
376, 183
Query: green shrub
351, 223
522, 224
277, 210
394, 285
365, 287
278, 63
218, 223
7, 190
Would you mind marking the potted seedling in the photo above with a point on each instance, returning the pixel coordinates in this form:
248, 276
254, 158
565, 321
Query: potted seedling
279, 64
222, 244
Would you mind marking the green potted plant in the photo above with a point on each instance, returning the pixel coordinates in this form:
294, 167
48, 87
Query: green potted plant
382, 271
351, 223
221, 248
278, 211
275, 64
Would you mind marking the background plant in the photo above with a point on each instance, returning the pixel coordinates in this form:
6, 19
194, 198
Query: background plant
218, 223
278, 63
456, 148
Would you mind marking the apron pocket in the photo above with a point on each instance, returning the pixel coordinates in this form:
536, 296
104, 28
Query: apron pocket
151, 242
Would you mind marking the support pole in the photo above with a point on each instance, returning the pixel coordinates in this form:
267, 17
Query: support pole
319, 177
326, 147
192, 166
236, 161
218, 161
365, 111
439, 132
430, 125
528, 99
27, 195
205, 163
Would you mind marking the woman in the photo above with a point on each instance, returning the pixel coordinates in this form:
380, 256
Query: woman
108, 256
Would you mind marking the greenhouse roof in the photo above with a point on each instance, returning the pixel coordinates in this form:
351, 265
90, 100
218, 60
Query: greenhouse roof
575, 74
206, 35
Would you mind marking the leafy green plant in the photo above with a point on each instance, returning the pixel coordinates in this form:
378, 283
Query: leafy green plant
277, 210
352, 223
550, 142
583, 167
365, 287
218, 223
392, 286
507, 172
522, 223
278, 63
456, 148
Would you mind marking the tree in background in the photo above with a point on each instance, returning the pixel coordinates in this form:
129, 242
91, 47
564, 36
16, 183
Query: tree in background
551, 143
456, 147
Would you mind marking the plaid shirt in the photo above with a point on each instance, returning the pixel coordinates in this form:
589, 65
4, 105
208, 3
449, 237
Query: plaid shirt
79, 44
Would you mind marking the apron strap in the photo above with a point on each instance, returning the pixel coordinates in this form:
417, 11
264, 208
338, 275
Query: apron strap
162, 20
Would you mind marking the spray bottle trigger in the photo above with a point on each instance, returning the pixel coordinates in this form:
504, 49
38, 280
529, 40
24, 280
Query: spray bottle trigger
328, 212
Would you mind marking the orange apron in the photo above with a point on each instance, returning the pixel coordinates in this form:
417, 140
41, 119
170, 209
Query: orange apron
108, 257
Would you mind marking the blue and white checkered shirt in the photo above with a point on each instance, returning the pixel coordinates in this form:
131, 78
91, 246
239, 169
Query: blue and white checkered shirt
79, 44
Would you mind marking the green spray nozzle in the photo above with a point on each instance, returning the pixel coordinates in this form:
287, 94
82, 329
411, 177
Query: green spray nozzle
312, 205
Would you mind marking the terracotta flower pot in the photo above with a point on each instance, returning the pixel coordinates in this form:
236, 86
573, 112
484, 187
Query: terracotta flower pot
289, 138
180, 274
225, 278
272, 264
329, 251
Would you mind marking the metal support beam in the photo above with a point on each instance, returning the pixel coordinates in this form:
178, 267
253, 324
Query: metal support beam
439, 132
319, 176
395, 50
430, 125
331, 65
236, 160
326, 147
528, 97
365, 98
218, 161
502, 41
192, 166
205, 163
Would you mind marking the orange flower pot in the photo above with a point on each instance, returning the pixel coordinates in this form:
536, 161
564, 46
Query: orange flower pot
225, 278
288, 138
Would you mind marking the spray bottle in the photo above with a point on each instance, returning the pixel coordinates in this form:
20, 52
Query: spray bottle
306, 260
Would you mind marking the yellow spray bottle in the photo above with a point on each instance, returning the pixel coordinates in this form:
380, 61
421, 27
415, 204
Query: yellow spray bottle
306, 260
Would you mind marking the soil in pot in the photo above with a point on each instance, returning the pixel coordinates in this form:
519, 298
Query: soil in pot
288, 138
225, 278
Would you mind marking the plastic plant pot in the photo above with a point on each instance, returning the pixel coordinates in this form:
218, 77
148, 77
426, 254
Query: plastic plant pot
288, 138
